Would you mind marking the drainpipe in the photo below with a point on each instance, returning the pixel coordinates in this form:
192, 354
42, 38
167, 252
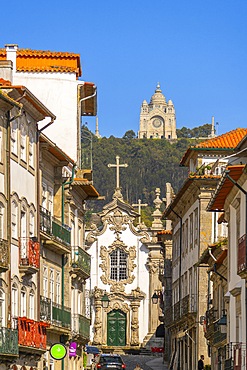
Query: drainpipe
62, 218
79, 122
180, 263
8, 150
245, 193
63, 256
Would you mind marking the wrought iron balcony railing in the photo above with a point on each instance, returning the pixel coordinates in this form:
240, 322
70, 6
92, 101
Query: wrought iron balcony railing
4, 255
81, 325
9, 341
32, 333
45, 308
168, 316
176, 311
29, 257
189, 304
81, 262
210, 322
54, 227
61, 316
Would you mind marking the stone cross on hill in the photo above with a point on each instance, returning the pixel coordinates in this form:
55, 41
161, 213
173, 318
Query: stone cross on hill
139, 205
117, 165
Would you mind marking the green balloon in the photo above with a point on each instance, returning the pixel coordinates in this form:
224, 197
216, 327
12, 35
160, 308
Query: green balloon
58, 351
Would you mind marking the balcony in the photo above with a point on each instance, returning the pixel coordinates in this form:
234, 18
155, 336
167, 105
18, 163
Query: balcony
189, 305
81, 326
210, 322
56, 235
241, 264
4, 255
168, 316
218, 337
9, 342
61, 316
32, 333
29, 255
176, 312
81, 263
45, 308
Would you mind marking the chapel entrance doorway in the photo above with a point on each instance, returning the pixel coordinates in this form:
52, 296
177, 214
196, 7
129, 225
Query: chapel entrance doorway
116, 328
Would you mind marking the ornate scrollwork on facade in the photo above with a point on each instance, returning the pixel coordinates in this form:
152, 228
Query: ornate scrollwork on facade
116, 305
105, 265
94, 233
153, 266
145, 238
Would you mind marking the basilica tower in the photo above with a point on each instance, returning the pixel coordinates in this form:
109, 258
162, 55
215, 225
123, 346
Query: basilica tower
157, 119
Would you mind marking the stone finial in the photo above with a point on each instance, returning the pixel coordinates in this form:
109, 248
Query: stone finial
157, 215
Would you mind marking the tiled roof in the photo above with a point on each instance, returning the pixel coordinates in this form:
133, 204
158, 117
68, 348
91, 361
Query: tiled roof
224, 187
190, 181
164, 232
45, 61
225, 141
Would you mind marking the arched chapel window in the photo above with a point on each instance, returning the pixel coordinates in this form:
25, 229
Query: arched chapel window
118, 265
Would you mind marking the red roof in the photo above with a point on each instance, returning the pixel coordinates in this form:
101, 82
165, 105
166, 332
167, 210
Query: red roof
226, 141
28, 60
224, 187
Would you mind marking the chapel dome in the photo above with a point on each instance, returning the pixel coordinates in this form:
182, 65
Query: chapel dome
158, 98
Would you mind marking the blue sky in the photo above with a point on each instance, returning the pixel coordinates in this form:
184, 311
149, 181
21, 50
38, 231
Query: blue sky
195, 49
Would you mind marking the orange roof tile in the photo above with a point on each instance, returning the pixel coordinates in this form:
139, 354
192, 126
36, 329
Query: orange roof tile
224, 187
164, 232
225, 141
45, 61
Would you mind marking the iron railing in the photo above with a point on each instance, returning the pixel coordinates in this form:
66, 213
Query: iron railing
54, 227
29, 249
189, 304
177, 311
61, 316
81, 261
9, 341
81, 325
45, 308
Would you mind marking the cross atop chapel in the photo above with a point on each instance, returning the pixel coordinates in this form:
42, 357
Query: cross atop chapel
117, 165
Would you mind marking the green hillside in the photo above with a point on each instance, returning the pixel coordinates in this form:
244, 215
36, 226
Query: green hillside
151, 163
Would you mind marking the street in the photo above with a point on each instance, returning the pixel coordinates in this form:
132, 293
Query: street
132, 360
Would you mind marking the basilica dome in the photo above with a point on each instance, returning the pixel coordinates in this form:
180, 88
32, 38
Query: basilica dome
158, 98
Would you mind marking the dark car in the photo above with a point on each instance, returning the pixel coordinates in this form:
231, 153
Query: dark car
109, 362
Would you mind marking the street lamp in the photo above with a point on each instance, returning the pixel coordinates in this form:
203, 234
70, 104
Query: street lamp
222, 323
105, 301
155, 297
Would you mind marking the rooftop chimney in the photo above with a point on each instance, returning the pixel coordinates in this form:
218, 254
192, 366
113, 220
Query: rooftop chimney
6, 70
11, 50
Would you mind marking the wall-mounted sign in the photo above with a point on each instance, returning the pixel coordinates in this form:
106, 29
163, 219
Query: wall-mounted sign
72, 349
58, 351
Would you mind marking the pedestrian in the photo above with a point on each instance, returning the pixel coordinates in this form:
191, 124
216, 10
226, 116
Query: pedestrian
201, 363
138, 367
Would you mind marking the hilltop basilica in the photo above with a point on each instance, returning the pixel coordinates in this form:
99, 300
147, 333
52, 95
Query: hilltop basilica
157, 119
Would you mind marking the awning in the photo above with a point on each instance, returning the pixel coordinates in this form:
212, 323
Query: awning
92, 349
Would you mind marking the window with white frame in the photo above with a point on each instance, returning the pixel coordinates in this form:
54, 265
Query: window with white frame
14, 225
23, 231
196, 226
45, 281
44, 196
58, 287
14, 301
50, 200
23, 143
23, 307
191, 230
31, 149
52, 285
14, 137
2, 220
31, 224
2, 308
31, 305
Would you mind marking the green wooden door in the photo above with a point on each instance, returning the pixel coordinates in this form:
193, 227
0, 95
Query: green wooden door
116, 328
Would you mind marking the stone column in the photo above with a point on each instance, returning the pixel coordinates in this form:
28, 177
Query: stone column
98, 321
154, 285
134, 323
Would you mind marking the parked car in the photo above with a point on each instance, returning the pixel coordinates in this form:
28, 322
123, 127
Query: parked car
109, 362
